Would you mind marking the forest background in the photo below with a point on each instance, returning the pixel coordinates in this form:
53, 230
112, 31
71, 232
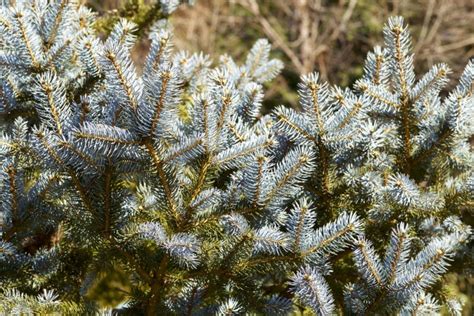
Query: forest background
328, 36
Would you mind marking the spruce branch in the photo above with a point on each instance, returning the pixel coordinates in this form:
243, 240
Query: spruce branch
175, 180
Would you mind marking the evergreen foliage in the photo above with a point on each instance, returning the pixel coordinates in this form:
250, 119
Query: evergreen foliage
173, 176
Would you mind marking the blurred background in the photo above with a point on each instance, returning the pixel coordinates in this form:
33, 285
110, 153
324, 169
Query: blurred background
328, 36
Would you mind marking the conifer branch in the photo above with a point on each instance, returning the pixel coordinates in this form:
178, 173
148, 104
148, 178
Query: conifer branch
75, 179
203, 204
158, 165
24, 33
57, 21
157, 287
201, 178
111, 56
165, 77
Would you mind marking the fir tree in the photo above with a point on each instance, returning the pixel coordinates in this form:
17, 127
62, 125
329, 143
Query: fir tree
173, 176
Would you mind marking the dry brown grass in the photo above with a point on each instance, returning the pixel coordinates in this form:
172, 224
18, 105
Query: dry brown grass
313, 35
331, 37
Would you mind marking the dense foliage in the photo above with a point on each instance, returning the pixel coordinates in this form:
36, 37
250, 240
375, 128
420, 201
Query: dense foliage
173, 179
